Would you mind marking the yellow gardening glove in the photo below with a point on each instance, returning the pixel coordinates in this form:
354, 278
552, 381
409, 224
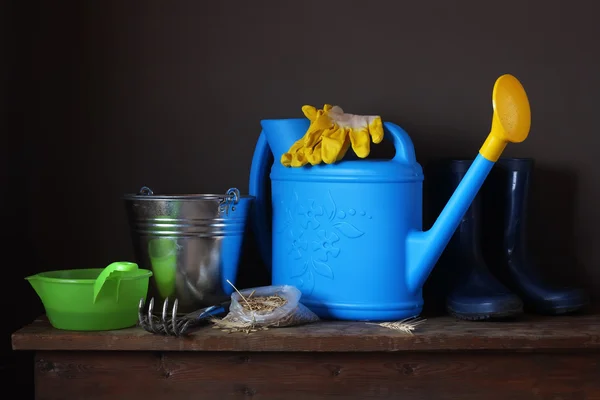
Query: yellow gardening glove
330, 134
360, 128
308, 149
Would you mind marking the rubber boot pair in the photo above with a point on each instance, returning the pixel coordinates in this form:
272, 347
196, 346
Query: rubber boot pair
502, 281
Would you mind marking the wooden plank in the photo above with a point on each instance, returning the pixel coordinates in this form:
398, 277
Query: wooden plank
224, 375
529, 333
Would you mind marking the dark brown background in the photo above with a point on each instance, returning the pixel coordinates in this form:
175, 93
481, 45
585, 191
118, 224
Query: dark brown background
103, 97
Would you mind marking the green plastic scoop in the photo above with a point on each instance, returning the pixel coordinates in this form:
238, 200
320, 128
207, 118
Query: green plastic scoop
112, 269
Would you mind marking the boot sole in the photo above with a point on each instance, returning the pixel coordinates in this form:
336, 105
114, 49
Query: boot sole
502, 315
558, 310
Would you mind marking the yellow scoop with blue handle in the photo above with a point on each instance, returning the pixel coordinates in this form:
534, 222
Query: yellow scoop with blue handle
511, 122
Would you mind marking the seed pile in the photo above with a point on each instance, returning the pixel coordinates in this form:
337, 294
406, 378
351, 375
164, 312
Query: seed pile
229, 325
262, 304
265, 308
253, 304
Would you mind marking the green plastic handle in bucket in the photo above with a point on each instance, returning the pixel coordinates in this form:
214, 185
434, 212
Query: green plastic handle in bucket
119, 266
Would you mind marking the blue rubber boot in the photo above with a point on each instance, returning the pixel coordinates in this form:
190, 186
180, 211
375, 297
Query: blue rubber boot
507, 190
474, 293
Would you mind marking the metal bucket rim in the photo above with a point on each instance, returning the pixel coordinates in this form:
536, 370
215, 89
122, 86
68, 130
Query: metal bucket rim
208, 196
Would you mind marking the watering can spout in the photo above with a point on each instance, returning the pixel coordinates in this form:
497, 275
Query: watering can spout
276, 138
511, 122
281, 134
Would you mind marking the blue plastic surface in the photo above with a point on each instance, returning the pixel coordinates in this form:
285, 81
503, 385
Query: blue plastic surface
260, 213
348, 235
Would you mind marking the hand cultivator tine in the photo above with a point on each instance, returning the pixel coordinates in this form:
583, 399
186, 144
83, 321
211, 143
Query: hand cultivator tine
172, 325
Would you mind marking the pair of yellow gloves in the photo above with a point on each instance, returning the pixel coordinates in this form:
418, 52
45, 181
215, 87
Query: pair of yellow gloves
330, 134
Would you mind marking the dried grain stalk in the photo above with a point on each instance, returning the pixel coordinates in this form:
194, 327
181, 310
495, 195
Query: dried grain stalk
407, 325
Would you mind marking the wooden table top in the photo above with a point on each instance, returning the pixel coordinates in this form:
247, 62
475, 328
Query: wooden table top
528, 333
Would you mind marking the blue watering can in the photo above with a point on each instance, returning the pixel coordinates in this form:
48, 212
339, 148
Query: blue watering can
349, 235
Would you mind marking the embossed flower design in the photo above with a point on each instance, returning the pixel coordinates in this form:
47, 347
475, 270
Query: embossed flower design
317, 232
309, 215
296, 244
326, 245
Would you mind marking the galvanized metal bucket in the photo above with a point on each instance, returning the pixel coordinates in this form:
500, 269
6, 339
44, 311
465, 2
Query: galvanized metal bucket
192, 243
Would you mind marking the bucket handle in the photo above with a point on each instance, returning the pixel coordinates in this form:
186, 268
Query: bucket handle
145, 191
119, 266
229, 201
232, 197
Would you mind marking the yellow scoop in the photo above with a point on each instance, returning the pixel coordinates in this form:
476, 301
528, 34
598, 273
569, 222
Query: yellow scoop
512, 117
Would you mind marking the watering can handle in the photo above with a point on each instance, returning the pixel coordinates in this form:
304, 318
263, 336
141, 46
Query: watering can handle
405, 151
260, 183
259, 179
